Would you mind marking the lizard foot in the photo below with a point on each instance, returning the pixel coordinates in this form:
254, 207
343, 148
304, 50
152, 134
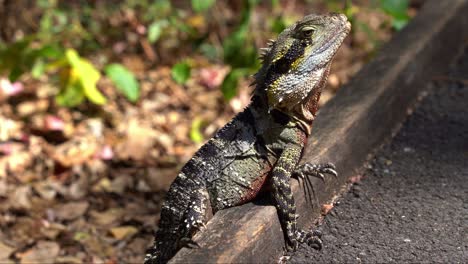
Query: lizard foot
316, 170
188, 242
313, 239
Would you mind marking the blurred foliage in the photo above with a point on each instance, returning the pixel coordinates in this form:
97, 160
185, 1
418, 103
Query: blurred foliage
78, 78
202, 5
167, 32
398, 10
239, 52
124, 80
181, 72
195, 131
229, 86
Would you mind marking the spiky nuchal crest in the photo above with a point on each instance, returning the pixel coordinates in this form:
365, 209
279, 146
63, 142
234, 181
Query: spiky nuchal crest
296, 64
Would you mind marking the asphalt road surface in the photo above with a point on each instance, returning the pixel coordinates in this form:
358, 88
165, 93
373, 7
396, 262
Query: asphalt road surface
412, 204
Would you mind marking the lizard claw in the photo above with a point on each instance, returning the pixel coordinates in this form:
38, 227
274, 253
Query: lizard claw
307, 170
316, 170
199, 225
330, 169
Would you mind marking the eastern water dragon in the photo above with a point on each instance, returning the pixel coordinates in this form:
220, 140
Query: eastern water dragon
261, 147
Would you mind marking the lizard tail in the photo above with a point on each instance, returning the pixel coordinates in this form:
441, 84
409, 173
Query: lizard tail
171, 225
167, 237
185, 200
164, 247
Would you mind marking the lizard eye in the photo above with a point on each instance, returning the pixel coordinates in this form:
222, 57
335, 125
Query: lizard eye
307, 32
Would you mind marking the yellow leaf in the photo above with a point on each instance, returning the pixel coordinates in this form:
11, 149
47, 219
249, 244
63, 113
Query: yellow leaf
87, 75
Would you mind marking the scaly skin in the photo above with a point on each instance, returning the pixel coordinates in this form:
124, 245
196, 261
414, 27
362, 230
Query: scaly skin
262, 145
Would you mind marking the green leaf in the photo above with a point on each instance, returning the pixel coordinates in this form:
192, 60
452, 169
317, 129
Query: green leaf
195, 131
154, 31
275, 3
399, 24
87, 75
398, 10
46, 22
181, 72
202, 5
38, 68
229, 85
15, 73
49, 52
124, 80
15, 58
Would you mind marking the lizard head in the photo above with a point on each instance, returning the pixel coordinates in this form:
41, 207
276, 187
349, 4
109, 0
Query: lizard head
296, 65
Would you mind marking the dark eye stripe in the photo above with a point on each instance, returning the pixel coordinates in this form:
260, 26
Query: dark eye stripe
282, 65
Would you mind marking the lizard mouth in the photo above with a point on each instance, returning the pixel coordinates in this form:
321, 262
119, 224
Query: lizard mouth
334, 40
348, 27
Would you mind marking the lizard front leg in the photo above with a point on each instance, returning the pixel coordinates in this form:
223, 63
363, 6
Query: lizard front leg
284, 200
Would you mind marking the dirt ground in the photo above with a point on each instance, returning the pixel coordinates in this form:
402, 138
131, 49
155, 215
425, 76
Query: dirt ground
411, 205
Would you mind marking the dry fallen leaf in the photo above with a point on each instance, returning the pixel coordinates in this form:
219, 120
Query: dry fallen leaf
5, 251
3, 188
29, 108
53, 123
45, 190
138, 141
98, 246
21, 198
160, 178
15, 164
123, 232
326, 208
75, 151
9, 128
70, 260
42, 252
52, 230
103, 185
8, 148
120, 184
107, 217
71, 210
